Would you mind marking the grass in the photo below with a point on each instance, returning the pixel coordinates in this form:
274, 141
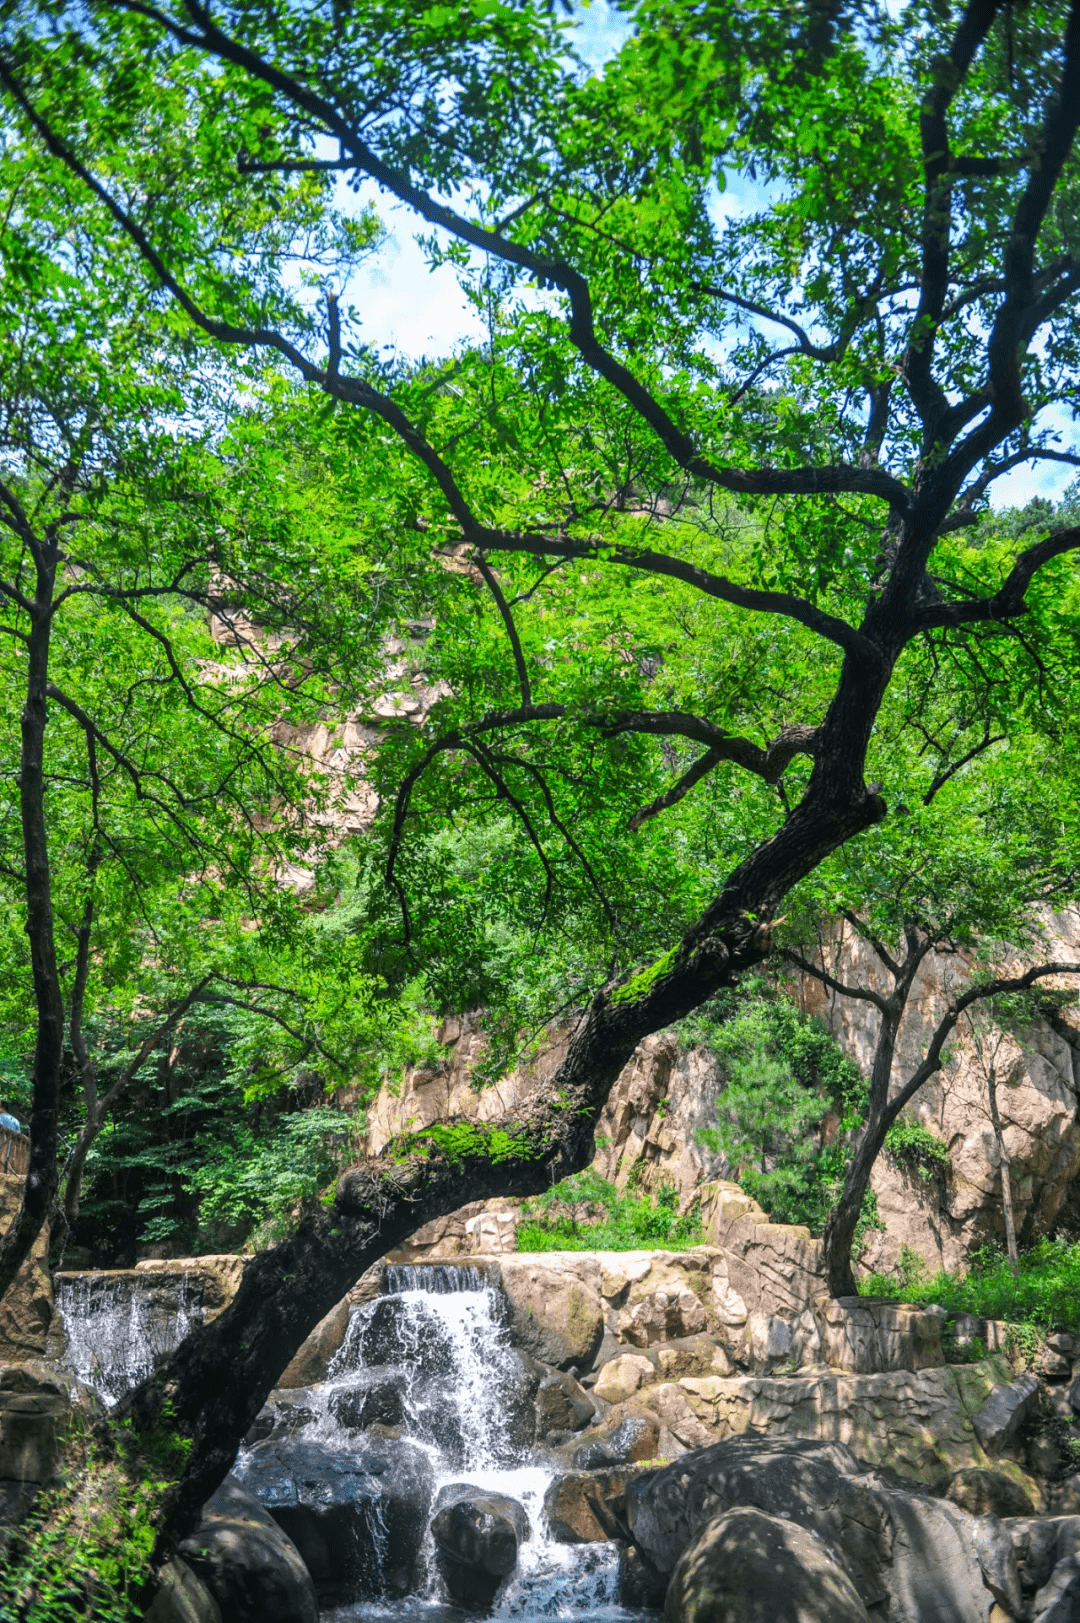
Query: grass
1044, 1294
586, 1213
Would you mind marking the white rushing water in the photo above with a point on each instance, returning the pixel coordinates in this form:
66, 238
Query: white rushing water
118, 1330
461, 1380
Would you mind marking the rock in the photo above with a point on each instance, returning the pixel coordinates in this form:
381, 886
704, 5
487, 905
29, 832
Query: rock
380, 1400
641, 1587
382, 1337
247, 1562
182, 1597
1074, 1395
1043, 1455
26, 1307
867, 1335
1034, 1541
476, 1541
1060, 1341
621, 1378
623, 1439
698, 1356
1004, 1411
1053, 1366
37, 1407
1058, 1601
661, 1316
997, 1560
589, 1507
918, 1554
1064, 1497
283, 1413
556, 1314
986, 1493
749, 1567
312, 1362
492, 1232
562, 1404
357, 1518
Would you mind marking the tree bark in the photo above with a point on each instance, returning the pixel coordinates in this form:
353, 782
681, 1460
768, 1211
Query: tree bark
39, 1190
1006, 1182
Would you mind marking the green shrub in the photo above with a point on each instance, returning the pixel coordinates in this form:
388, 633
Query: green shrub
913, 1146
1043, 1295
587, 1213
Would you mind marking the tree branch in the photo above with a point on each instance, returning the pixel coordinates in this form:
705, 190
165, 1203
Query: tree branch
1008, 600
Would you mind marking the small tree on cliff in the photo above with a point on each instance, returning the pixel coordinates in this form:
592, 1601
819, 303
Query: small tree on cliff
967, 876
853, 363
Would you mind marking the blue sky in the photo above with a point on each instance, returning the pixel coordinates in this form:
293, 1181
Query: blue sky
424, 313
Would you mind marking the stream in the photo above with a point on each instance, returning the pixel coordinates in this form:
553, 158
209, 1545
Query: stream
431, 1361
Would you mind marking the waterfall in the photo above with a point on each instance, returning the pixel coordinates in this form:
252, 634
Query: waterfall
433, 1354
119, 1326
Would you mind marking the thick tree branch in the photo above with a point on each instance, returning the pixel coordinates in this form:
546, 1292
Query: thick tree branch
1009, 599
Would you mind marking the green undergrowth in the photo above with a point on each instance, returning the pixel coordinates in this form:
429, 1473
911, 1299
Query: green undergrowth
1043, 1295
587, 1213
83, 1552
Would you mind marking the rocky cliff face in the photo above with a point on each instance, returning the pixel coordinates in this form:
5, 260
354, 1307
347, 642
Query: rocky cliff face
667, 1093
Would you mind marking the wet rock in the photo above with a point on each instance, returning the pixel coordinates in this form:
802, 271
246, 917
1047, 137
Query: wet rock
621, 1440
248, 1563
1004, 1411
381, 1400
589, 1507
476, 1541
562, 1405
641, 1587
387, 1334
749, 1567
358, 1518
986, 1493
283, 1414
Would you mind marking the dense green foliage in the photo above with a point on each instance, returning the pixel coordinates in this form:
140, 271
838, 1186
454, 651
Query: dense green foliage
1044, 1294
790, 1102
587, 1213
916, 1147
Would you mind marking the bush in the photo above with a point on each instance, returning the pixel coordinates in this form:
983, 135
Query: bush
586, 1213
1043, 1295
915, 1147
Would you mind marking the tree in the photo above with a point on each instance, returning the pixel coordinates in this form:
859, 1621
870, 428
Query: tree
917, 250
968, 875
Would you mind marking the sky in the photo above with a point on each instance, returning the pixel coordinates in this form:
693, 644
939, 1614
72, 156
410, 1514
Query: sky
424, 313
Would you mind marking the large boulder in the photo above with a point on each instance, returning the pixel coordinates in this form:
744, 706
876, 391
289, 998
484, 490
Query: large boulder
357, 1518
182, 1597
562, 1405
748, 1567
986, 1493
589, 1507
556, 1314
246, 1561
622, 1439
1004, 1412
476, 1541
916, 1553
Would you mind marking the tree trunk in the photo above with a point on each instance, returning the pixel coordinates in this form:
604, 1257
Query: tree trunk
843, 1220
39, 1190
1006, 1182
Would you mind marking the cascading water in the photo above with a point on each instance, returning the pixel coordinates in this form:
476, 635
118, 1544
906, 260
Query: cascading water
119, 1327
431, 1359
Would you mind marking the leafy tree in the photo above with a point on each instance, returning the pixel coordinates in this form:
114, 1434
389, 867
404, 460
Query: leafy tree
838, 375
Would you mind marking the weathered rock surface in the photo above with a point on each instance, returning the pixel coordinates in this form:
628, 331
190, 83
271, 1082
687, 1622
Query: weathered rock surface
182, 1597
357, 1518
247, 1561
562, 1405
26, 1308
986, 1493
918, 1554
589, 1507
312, 1361
749, 1567
1004, 1411
476, 1541
556, 1313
